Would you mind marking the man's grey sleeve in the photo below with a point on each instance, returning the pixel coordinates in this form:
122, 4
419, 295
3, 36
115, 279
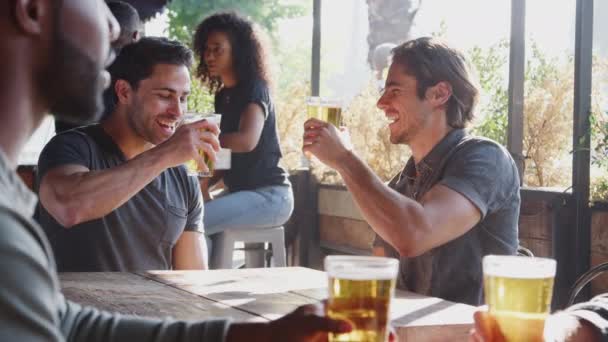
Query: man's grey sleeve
28, 299
85, 324
196, 207
484, 173
595, 312
33, 309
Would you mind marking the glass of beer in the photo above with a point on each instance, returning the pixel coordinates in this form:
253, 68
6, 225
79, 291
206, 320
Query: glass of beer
325, 109
518, 292
360, 291
192, 165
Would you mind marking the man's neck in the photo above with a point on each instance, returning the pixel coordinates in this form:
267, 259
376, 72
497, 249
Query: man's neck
21, 111
427, 139
129, 142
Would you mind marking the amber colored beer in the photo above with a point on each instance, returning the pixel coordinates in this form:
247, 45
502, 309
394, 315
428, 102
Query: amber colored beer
325, 110
333, 115
360, 291
518, 292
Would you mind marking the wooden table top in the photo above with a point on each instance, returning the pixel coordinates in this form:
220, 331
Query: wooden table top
252, 295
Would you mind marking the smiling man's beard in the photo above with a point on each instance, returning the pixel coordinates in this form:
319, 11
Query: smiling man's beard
72, 82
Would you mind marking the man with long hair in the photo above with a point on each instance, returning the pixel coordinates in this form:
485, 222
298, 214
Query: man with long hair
457, 198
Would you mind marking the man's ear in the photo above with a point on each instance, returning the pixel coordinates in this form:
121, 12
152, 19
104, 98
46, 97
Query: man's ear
124, 91
30, 15
440, 93
136, 36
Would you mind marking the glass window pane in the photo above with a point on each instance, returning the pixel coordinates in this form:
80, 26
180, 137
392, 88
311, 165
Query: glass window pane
481, 29
548, 93
599, 104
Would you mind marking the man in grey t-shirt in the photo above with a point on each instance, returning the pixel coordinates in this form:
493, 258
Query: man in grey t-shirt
38, 38
456, 200
114, 196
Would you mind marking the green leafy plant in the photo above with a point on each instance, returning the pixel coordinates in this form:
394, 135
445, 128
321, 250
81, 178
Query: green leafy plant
184, 15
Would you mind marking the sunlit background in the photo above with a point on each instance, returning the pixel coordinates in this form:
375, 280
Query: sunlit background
480, 28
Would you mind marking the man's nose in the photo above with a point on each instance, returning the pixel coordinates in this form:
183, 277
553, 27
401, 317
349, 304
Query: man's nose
381, 104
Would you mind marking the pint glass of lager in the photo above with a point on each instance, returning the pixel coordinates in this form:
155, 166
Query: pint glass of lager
325, 109
360, 291
518, 292
223, 157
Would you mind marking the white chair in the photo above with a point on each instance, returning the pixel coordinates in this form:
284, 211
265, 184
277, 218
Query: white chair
255, 252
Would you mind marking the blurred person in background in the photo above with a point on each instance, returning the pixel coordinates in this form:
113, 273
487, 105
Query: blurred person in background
257, 192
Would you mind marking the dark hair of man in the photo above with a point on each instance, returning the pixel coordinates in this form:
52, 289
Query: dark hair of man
128, 19
248, 58
137, 61
431, 61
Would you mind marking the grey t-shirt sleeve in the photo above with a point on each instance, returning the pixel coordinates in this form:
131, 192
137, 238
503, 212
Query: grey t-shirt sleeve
194, 222
33, 309
483, 172
67, 148
84, 324
595, 312
28, 299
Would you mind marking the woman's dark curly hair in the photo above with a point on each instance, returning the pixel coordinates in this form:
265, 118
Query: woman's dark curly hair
248, 57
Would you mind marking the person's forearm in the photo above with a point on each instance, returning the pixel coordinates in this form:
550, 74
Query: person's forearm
94, 194
252, 332
238, 142
88, 324
190, 252
393, 216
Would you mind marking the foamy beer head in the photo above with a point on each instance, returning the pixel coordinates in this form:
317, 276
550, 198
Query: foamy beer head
360, 291
518, 292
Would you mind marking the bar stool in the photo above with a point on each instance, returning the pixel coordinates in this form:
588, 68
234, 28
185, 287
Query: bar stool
254, 239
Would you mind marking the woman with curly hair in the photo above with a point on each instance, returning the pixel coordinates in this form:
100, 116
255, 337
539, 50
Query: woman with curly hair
232, 65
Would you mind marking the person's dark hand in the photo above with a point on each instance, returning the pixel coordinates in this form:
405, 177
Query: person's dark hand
188, 141
326, 142
307, 323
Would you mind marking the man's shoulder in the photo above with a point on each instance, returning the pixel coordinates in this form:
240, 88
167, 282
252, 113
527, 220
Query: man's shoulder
80, 136
475, 145
177, 177
483, 157
474, 141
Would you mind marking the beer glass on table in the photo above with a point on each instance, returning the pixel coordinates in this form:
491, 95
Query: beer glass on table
223, 157
360, 291
518, 292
